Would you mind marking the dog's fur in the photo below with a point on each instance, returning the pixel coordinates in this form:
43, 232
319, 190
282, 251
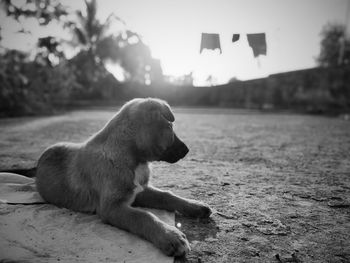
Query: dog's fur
109, 173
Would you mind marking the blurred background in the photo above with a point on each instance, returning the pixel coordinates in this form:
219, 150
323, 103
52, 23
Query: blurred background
268, 55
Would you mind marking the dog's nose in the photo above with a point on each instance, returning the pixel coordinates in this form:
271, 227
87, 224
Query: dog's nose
175, 152
183, 150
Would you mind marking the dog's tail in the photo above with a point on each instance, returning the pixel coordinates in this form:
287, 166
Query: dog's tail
29, 172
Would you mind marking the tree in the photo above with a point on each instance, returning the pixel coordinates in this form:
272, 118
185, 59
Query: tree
335, 48
96, 47
126, 48
44, 10
30, 86
49, 50
136, 59
92, 35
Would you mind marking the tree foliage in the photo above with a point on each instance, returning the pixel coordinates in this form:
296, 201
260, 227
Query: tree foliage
126, 48
135, 57
43, 10
92, 35
29, 87
335, 47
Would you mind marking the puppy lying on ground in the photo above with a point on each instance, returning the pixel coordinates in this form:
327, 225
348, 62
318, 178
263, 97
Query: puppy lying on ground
108, 174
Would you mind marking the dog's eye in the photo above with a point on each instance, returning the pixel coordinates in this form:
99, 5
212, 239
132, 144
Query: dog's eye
170, 126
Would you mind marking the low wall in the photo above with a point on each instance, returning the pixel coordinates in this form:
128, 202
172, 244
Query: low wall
313, 90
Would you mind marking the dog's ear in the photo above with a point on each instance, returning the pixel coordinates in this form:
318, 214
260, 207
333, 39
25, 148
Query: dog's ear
159, 115
167, 113
155, 110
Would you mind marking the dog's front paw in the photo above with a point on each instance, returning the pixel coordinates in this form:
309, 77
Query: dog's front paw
196, 209
173, 242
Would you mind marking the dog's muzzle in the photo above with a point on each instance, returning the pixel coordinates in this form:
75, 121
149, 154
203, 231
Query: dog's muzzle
175, 152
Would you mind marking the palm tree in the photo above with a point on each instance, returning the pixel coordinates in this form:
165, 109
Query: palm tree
96, 46
127, 48
91, 34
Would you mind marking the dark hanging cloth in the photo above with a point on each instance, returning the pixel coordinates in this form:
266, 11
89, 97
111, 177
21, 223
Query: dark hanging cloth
210, 41
235, 38
258, 43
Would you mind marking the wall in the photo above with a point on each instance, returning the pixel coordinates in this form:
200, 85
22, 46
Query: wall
312, 90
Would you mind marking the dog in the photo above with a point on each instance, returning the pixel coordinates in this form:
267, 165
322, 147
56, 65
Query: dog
109, 174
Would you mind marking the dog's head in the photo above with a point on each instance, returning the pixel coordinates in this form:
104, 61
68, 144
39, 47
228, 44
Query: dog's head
155, 138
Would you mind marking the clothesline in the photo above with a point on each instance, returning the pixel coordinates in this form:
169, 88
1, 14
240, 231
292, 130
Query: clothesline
256, 41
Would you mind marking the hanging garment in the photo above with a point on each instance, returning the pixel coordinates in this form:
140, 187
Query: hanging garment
235, 37
258, 43
210, 41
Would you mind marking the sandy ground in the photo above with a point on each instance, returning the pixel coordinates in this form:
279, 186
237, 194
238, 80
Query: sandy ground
280, 183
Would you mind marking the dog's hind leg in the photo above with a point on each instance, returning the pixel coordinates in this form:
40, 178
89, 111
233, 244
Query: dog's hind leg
155, 198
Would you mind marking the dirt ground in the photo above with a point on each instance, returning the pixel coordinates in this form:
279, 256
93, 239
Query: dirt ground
279, 183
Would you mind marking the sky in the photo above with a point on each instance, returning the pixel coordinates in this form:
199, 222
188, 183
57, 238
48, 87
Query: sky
172, 29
